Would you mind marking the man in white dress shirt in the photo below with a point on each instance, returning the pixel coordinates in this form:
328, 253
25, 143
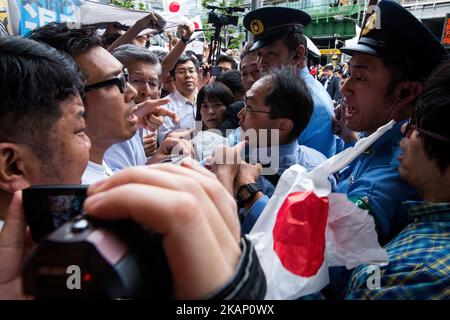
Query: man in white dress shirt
182, 101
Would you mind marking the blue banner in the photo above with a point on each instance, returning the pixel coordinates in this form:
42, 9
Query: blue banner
31, 14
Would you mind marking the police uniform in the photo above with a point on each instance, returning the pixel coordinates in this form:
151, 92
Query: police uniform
269, 24
372, 180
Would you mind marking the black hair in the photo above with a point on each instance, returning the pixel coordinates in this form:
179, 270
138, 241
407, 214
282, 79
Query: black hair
214, 91
109, 39
182, 60
432, 110
129, 52
232, 79
60, 36
34, 80
246, 50
225, 58
289, 98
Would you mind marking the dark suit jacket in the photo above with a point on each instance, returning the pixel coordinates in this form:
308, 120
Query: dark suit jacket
333, 88
232, 119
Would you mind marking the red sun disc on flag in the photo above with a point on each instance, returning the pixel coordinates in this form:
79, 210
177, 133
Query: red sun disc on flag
196, 25
299, 233
174, 7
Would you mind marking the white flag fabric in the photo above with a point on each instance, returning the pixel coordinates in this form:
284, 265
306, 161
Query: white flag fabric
304, 228
175, 6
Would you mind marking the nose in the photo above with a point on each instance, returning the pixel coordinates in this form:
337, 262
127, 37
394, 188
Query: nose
87, 141
145, 91
211, 110
241, 113
263, 64
346, 88
130, 93
403, 128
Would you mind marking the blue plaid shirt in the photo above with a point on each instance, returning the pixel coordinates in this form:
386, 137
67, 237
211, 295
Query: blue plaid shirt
419, 259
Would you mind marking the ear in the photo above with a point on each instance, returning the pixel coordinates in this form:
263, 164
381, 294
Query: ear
407, 91
300, 53
285, 126
12, 167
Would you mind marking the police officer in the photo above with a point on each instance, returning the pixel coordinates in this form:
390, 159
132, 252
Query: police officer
393, 57
279, 40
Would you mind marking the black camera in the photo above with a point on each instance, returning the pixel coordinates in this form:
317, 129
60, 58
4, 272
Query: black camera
219, 19
88, 258
222, 19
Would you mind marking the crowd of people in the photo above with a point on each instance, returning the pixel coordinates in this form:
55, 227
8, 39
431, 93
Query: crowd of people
108, 112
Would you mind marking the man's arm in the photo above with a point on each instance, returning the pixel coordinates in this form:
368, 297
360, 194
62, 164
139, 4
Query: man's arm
188, 206
172, 57
152, 21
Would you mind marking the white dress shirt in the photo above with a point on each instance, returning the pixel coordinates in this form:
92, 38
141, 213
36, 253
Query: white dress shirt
185, 109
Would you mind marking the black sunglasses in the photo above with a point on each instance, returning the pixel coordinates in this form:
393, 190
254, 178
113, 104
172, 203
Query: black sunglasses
120, 81
411, 126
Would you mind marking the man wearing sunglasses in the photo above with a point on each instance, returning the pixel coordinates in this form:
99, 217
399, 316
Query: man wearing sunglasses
419, 258
109, 98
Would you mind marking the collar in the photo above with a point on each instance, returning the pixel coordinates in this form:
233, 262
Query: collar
283, 150
394, 132
422, 211
303, 72
182, 100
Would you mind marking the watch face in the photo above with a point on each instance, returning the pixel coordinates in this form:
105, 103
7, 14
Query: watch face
245, 194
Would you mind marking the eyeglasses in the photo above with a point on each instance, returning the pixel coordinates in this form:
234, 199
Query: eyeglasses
246, 109
120, 81
411, 126
141, 82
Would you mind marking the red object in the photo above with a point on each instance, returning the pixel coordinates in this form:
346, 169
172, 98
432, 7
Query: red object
87, 277
196, 25
299, 233
174, 7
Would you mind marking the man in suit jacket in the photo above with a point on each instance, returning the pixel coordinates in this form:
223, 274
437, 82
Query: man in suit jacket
332, 83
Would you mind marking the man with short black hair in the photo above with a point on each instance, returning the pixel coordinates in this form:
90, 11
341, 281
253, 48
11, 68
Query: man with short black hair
280, 41
144, 69
109, 97
182, 101
331, 83
42, 127
419, 256
226, 63
279, 103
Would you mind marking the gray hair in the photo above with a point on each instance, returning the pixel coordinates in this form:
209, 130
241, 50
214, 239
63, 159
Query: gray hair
129, 52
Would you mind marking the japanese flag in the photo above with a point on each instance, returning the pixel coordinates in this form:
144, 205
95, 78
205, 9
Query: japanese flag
197, 22
175, 6
304, 229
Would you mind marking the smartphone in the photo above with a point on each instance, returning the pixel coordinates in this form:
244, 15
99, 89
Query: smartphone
47, 207
215, 71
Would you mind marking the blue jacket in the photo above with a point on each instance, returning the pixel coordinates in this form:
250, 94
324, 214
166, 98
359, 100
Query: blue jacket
318, 133
373, 179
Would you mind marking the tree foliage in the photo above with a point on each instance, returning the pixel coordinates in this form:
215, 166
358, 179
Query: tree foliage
129, 4
235, 34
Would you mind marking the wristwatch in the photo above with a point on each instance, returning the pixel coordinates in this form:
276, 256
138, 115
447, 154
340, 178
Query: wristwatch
246, 193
